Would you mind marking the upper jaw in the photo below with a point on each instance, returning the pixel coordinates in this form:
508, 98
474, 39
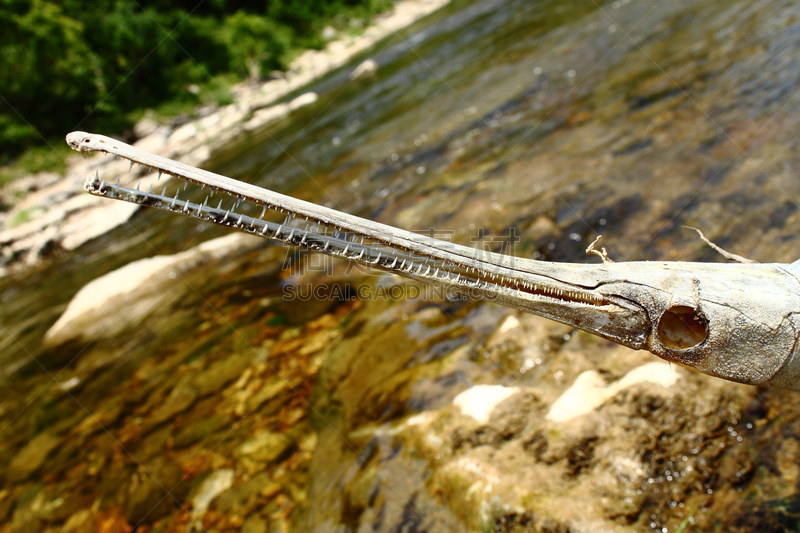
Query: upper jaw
609, 314
558, 291
84, 142
75, 139
737, 322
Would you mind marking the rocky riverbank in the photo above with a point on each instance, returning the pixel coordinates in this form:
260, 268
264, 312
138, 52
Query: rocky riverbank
48, 212
209, 380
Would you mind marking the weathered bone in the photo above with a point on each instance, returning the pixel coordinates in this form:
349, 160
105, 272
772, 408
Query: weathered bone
739, 322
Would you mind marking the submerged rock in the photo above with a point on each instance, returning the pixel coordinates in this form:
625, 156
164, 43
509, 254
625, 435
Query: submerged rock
265, 447
365, 70
480, 401
520, 468
153, 491
430, 412
245, 496
221, 372
180, 398
125, 297
32, 456
212, 486
590, 390
254, 524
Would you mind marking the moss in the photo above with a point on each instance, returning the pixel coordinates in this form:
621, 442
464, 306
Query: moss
24, 216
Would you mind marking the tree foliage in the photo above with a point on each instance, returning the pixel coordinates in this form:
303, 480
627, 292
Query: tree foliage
68, 64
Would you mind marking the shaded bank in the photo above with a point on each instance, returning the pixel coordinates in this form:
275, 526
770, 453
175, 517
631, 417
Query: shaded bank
101, 64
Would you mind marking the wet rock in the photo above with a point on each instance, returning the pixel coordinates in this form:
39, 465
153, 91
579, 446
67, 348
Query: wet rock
480, 475
32, 456
125, 297
79, 521
479, 401
262, 449
200, 429
522, 342
280, 526
264, 115
26, 517
153, 443
58, 509
508, 419
152, 493
180, 398
25, 521
541, 227
6, 503
267, 392
365, 70
39, 503
222, 372
590, 390
112, 520
212, 486
254, 524
243, 498
644, 455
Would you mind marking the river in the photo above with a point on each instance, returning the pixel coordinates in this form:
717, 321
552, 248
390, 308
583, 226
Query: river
298, 393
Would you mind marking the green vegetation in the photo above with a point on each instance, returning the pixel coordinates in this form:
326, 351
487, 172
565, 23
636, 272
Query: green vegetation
37, 158
71, 64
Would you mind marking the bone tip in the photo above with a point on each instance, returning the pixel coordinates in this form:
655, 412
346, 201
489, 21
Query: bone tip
76, 139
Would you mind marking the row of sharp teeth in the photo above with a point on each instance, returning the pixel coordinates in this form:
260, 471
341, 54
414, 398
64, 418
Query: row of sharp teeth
374, 254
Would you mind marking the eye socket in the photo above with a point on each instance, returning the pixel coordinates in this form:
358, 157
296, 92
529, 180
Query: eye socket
682, 327
86, 140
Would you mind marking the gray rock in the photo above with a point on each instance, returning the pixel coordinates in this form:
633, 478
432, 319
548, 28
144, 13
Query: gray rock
145, 126
365, 70
328, 33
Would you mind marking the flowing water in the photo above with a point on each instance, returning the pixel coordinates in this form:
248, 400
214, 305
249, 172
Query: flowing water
527, 127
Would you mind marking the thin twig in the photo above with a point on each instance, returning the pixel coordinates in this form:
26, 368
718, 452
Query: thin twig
727, 255
601, 253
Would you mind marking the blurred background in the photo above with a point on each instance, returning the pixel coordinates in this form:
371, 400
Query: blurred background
182, 390
102, 64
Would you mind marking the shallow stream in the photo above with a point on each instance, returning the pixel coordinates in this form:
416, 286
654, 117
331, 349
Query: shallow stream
527, 127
